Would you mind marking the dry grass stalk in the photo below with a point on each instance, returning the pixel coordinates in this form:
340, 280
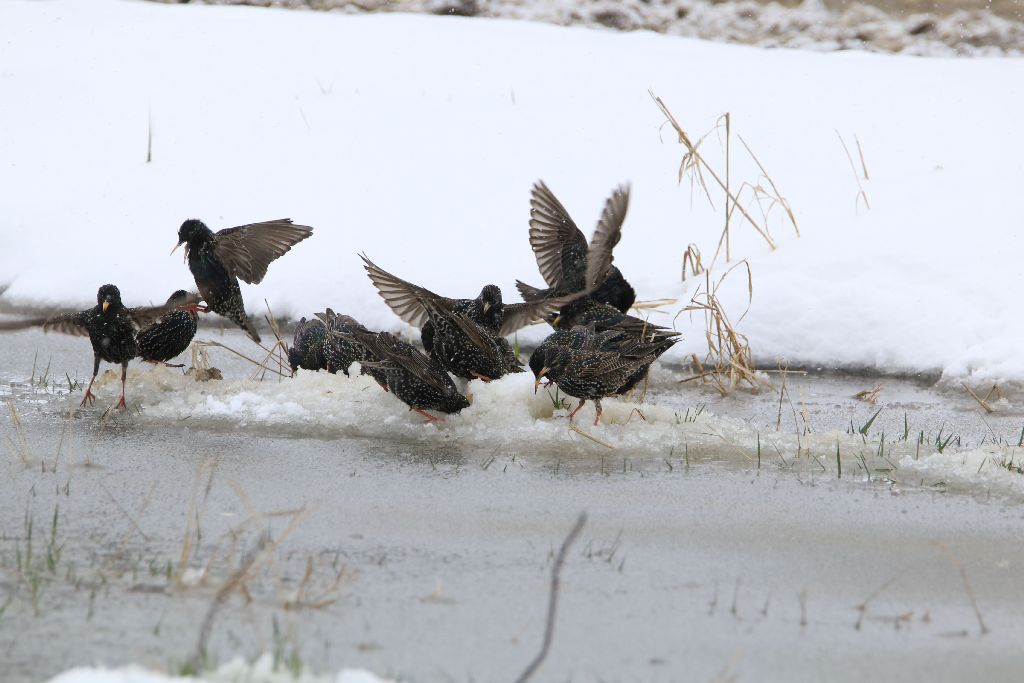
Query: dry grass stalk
556, 571
869, 395
653, 304
861, 194
983, 402
728, 361
775, 196
20, 441
196, 510
573, 427
693, 162
860, 153
691, 257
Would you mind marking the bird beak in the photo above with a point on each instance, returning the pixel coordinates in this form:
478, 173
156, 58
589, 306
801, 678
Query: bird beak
176, 247
487, 306
536, 383
558, 319
106, 304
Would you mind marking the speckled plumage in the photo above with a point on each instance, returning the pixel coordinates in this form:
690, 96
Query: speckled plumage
341, 349
591, 365
307, 350
417, 380
218, 260
171, 333
566, 261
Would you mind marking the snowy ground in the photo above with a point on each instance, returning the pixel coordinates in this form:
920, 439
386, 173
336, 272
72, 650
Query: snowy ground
416, 139
921, 27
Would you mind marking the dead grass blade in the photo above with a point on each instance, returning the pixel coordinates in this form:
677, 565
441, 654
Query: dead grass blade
556, 571
729, 361
861, 194
869, 395
983, 402
694, 162
574, 428
20, 441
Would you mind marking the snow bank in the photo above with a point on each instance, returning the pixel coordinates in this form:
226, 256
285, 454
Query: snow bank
416, 139
236, 671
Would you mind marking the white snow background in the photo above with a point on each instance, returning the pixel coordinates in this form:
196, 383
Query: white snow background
417, 138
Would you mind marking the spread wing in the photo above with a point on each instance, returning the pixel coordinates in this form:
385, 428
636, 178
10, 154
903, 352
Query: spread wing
518, 316
404, 298
411, 360
65, 323
248, 250
555, 239
145, 316
606, 235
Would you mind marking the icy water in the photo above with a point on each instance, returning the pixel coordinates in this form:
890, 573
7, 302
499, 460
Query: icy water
424, 552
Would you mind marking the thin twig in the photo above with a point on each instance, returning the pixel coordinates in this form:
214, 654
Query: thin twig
556, 569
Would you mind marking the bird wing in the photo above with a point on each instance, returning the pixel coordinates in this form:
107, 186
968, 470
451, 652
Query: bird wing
248, 250
553, 235
518, 316
146, 316
477, 335
65, 323
606, 235
410, 359
404, 298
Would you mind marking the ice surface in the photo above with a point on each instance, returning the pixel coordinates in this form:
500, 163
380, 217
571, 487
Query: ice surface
416, 139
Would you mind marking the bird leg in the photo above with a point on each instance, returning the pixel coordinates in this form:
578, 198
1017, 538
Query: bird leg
124, 373
89, 397
430, 418
597, 418
483, 378
573, 413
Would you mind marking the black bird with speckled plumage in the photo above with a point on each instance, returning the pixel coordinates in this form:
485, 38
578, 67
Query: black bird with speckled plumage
308, 346
566, 261
593, 365
415, 379
341, 349
219, 259
171, 333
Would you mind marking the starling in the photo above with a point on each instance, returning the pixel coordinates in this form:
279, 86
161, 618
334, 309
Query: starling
341, 349
567, 263
307, 350
464, 331
589, 311
111, 327
172, 332
219, 259
416, 379
591, 365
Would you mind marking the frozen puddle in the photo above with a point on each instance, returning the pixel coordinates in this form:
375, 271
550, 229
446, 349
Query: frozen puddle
507, 418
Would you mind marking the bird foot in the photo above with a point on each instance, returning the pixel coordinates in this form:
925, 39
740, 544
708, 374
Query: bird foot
430, 418
88, 398
121, 404
483, 378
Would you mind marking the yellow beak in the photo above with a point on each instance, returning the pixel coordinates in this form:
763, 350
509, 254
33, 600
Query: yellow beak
176, 247
536, 383
558, 319
106, 305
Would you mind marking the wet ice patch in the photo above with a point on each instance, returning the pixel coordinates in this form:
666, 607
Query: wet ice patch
999, 469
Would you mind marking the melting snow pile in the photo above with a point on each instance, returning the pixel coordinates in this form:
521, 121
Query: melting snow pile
236, 671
